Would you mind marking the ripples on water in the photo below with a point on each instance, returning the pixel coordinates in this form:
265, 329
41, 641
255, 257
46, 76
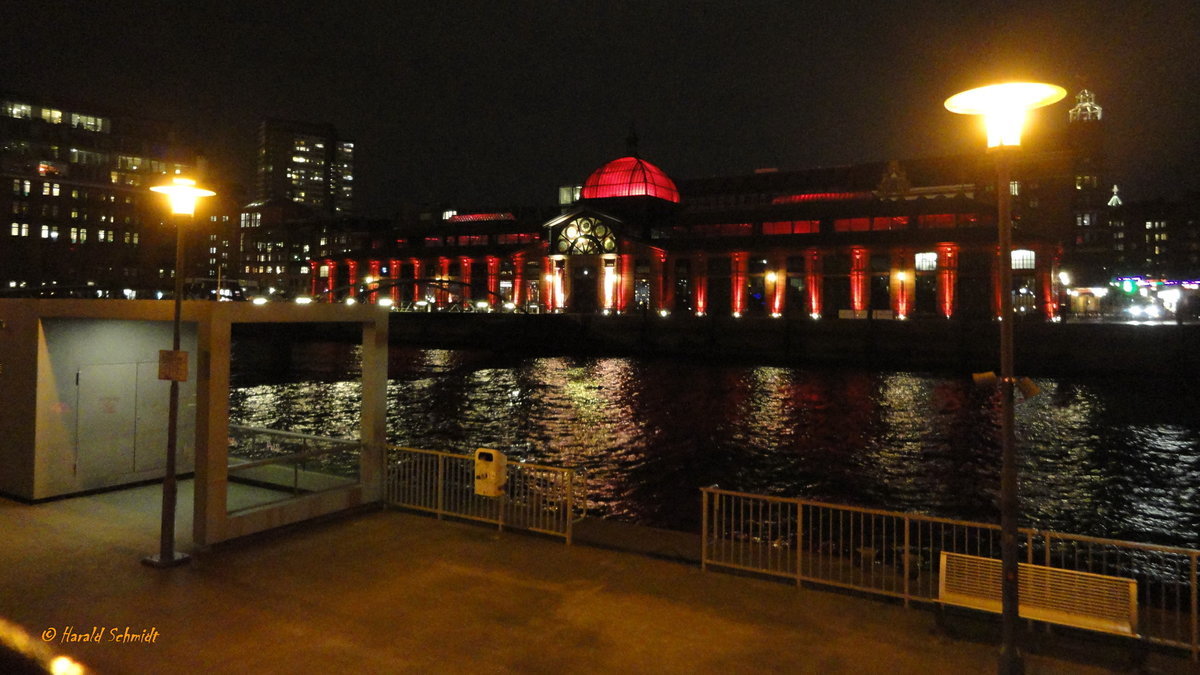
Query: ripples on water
1118, 459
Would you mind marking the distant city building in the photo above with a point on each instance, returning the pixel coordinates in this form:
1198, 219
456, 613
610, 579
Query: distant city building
307, 164
74, 200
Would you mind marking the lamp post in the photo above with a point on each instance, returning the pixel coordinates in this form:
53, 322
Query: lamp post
182, 194
902, 305
1003, 107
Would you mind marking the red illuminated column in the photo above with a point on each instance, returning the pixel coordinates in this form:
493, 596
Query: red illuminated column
626, 285
668, 289
657, 263
464, 275
493, 279
737, 280
858, 278
373, 295
352, 270
443, 275
394, 274
778, 290
813, 281
547, 283
352, 278
314, 269
902, 283
947, 264
416, 275
519, 298
700, 283
1045, 281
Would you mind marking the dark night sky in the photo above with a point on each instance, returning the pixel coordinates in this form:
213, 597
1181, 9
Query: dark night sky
498, 103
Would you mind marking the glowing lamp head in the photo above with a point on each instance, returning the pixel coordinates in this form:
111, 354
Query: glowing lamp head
1003, 107
182, 193
772, 277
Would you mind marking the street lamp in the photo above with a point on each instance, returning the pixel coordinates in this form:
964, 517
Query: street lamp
1003, 107
182, 194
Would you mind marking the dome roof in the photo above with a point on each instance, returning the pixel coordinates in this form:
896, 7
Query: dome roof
629, 177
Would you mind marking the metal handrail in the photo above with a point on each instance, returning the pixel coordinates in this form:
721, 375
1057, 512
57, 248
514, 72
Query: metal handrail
294, 457
456, 455
886, 553
295, 435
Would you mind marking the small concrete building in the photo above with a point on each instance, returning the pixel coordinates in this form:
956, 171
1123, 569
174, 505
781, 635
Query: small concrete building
82, 408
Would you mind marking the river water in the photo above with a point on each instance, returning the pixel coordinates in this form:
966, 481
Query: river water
1115, 458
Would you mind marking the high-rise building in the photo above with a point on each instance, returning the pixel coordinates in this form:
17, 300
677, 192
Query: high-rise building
77, 213
306, 163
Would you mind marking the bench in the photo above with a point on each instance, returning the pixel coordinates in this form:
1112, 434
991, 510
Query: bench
1078, 599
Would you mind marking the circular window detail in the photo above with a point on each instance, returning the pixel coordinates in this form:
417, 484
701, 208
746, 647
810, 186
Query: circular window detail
586, 236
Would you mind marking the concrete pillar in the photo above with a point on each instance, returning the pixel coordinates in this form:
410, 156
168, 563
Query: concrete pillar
213, 342
373, 414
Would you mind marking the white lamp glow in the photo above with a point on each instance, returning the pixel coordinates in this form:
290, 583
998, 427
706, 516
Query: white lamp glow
1003, 107
182, 193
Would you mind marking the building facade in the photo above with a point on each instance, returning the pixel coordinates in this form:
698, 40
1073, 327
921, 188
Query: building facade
882, 240
306, 163
73, 192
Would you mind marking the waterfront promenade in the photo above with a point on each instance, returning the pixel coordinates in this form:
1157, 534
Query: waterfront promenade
393, 592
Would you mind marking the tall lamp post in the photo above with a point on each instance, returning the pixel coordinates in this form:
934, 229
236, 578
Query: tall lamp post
1003, 107
182, 194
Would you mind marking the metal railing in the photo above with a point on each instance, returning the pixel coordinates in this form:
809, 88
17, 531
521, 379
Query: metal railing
896, 554
537, 498
276, 466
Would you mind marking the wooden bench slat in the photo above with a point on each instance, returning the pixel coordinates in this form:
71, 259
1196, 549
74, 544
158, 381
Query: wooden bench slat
1067, 597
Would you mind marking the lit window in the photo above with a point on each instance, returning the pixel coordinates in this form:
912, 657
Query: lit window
1014, 188
926, 262
18, 110
45, 232
1023, 259
89, 122
52, 116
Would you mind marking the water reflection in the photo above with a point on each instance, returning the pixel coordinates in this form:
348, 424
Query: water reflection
1098, 457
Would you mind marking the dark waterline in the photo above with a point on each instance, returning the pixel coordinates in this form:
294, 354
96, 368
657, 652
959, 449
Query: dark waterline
1101, 457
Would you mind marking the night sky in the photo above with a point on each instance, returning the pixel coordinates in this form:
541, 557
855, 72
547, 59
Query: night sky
496, 104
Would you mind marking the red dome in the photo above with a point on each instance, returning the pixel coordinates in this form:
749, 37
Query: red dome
629, 177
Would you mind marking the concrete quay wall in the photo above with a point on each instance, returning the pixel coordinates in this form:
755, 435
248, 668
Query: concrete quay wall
939, 345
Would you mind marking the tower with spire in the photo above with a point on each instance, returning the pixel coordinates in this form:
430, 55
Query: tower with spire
1090, 251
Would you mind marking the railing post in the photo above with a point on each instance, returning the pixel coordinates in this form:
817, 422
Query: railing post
570, 504
799, 544
1195, 609
907, 558
704, 530
386, 492
441, 480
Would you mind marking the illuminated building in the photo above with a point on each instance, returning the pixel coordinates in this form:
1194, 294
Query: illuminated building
882, 240
73, 197
306, 163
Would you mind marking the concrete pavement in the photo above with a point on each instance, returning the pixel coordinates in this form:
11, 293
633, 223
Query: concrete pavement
393, 592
